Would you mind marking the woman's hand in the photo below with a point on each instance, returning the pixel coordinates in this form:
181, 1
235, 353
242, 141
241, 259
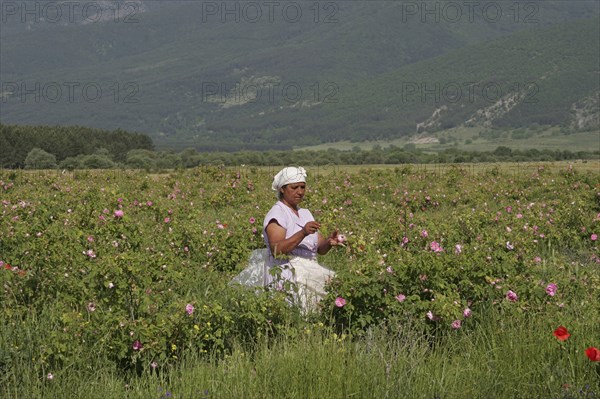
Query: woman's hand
311, 227
334, 239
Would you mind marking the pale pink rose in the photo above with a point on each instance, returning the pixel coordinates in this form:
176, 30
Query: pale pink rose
432, 317
436, 246
551, 289
340, 302
189, 308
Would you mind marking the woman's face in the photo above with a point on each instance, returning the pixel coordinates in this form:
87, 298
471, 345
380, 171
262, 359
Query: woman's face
293, 193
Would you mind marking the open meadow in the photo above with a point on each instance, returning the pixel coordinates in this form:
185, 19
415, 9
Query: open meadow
456, 281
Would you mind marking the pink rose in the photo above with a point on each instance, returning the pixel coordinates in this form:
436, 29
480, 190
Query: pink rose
137, 345
551, 289
511, 296
340, 302
189, 308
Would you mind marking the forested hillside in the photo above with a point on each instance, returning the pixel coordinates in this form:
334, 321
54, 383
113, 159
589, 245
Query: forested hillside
63, 142
192, 76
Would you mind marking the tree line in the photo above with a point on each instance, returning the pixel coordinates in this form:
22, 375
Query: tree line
73, 148
65, 144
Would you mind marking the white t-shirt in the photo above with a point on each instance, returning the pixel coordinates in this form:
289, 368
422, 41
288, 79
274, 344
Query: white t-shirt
292, 223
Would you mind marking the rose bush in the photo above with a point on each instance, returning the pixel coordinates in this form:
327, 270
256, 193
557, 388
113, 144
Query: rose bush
116, 258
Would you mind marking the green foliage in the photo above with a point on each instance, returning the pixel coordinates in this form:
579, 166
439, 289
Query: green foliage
66, 144
136, 268
39, 159
149, 160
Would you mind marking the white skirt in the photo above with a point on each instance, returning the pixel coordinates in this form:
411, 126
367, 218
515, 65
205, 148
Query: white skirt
308, 276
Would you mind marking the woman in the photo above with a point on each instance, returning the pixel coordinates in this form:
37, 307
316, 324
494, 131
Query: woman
292, 237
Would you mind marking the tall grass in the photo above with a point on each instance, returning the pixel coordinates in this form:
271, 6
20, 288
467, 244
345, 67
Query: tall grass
496, 357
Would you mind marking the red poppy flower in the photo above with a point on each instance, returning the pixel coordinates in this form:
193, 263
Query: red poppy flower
561, 333
593, 354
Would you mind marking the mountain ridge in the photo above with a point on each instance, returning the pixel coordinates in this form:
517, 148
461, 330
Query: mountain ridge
156, 75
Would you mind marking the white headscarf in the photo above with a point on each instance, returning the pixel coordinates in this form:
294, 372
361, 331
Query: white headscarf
288, 175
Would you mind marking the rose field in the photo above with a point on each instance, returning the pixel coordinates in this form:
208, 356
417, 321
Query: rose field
454, 281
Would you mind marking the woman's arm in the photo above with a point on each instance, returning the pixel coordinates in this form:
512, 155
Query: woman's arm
325, 244
281, 245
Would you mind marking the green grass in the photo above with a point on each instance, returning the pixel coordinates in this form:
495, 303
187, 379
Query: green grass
511, 168
498, 356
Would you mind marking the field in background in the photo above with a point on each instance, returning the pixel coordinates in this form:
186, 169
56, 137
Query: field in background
94, 303
481, 139
511, 168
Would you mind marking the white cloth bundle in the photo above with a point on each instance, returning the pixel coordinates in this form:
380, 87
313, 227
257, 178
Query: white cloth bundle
309, 276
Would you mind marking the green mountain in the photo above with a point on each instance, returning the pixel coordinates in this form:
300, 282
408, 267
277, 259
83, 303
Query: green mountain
228, 75
513, 81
